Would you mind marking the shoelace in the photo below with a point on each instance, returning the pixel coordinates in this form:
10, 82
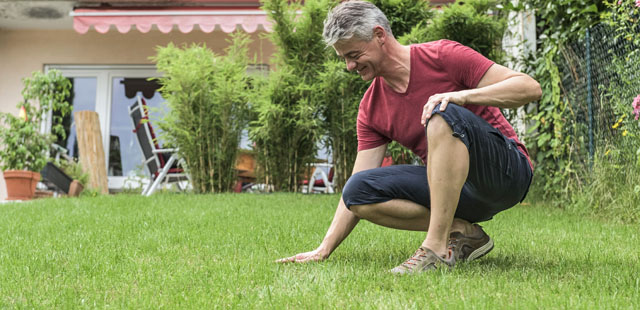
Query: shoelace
453, 242
414, 259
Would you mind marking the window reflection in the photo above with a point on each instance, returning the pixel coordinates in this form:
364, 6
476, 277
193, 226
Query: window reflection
125, 156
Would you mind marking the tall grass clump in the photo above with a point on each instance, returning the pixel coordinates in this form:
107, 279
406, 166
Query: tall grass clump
208, 97
611, 189
286, 126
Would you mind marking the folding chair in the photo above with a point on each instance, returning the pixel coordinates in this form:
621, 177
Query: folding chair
320, 181
163, 164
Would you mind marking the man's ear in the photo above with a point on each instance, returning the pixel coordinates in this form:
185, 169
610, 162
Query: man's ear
379, 34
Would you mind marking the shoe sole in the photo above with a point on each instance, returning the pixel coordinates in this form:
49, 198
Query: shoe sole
481, 251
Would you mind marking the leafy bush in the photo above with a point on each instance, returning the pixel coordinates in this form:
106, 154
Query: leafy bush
22, 145
549, 139
208, 97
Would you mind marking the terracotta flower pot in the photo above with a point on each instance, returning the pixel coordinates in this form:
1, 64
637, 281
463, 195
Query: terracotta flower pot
75, 188
21, 184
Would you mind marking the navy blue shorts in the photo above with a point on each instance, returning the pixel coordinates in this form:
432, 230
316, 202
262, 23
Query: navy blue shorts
499, 174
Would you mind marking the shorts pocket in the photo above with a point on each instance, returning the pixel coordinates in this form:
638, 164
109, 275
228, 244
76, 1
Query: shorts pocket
502, 153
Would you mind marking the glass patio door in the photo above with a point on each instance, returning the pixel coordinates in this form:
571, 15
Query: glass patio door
102, 89
125, 155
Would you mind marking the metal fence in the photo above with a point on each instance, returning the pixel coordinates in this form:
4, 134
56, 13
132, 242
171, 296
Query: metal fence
590, 70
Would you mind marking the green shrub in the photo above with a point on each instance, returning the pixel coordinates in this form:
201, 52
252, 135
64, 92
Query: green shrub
604, 185
208, 97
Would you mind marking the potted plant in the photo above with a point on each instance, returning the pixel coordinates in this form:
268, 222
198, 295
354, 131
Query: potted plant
23, 146
79, 178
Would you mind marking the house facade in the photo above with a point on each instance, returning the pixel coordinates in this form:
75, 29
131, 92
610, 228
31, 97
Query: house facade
103, 47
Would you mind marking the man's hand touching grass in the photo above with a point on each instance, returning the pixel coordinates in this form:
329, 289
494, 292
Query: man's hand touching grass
306, 257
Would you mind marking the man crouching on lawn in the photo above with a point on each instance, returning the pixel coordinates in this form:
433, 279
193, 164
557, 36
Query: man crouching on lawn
475, 165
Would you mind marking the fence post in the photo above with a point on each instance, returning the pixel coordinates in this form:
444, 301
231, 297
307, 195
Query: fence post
589, 95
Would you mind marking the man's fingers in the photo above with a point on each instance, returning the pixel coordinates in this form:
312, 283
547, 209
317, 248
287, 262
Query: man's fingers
299, 259
287, 259
431, 104
444, 104
426, 113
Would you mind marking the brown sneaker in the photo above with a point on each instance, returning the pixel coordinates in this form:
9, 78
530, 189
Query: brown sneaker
468, 248
424, 260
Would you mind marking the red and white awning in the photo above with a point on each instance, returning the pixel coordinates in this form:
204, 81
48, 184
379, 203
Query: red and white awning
207, 19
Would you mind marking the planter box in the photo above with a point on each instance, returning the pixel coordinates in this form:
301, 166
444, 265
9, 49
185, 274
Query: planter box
56, 176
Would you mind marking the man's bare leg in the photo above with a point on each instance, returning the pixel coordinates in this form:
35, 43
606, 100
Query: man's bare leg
447, 170
403, 214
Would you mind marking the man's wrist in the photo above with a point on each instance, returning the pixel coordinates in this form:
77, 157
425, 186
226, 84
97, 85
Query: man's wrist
466, 96
324, 251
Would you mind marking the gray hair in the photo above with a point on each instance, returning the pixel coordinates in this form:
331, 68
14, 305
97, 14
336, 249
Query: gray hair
353, 19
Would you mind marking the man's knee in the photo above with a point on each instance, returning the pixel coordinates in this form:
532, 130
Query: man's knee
438, 127
353, 189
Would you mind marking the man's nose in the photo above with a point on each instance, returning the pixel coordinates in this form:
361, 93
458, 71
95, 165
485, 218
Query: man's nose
351, 65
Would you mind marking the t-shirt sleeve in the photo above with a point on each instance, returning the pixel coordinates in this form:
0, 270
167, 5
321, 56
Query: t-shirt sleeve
462, 63
368, 138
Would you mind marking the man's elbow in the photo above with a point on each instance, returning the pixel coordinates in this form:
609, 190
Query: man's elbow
536, 90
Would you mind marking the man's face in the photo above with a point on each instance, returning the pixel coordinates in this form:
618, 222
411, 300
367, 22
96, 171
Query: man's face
362, 56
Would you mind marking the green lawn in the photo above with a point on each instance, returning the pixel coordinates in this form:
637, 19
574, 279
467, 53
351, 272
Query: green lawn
178, 251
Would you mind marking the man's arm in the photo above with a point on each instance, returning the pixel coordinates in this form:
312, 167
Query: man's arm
343, 221
500, 87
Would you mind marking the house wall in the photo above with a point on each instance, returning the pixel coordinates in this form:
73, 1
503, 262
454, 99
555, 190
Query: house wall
25, 51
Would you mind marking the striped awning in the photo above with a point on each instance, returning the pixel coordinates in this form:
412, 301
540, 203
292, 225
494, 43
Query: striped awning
165, 19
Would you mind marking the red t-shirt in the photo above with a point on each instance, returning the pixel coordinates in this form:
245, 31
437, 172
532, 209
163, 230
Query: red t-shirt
436, 67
